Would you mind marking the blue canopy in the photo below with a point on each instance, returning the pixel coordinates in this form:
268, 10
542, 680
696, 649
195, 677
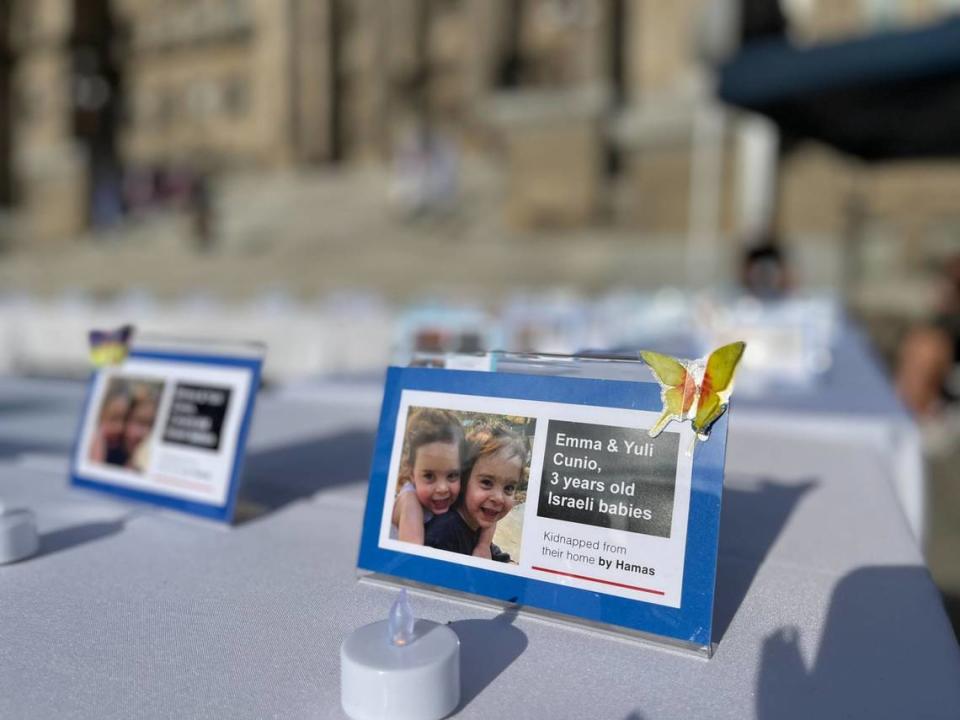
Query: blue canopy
887, 95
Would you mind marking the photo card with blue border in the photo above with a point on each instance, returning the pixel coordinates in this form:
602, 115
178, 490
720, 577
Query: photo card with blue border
168, 425
538, 485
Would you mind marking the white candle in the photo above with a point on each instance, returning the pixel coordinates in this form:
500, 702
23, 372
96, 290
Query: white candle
18, 535
401, 668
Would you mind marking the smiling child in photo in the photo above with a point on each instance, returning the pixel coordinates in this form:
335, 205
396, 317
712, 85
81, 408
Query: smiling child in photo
429, 480
138, 426
126, 419
493, 469
108, 445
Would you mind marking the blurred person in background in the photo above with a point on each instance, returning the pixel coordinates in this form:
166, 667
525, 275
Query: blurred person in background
764, 271
426, 170
930, 352
426, 160
202, 214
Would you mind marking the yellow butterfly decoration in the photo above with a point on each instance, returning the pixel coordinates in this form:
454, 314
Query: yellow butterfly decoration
695, 390
110, 347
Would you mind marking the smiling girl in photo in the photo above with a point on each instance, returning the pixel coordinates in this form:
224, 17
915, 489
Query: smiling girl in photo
429, 481
495, 460
139, 425
107, 445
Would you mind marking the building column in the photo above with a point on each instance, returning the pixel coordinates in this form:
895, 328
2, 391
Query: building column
6, 108
48, 164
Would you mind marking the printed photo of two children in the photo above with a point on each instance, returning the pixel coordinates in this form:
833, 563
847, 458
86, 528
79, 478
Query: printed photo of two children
124, 423
462, 482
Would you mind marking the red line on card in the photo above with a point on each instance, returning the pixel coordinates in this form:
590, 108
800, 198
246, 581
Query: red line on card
180, 482
598, 580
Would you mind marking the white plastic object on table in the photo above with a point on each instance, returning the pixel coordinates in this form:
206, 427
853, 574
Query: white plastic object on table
18, 534
401, 668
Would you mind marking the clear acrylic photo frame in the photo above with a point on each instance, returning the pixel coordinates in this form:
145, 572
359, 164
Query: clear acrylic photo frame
593, 366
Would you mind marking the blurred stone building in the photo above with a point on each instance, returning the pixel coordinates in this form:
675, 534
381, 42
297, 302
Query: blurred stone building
104, 92
599, 111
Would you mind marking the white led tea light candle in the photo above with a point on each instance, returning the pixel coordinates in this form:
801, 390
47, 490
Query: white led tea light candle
18, 534
400, 668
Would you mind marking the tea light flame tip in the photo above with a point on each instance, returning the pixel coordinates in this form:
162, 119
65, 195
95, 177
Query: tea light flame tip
401, 620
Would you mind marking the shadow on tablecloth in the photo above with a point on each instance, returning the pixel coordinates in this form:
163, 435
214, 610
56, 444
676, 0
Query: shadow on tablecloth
69, 537
276, 477
878, 655
487, 648
750, 522
13, 449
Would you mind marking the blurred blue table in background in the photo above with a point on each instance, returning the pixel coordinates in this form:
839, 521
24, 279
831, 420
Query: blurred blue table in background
851, 401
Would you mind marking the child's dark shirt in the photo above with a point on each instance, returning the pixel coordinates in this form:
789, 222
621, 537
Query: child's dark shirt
449, 531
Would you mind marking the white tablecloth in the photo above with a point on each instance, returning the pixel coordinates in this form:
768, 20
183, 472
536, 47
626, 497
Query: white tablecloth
824, 606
